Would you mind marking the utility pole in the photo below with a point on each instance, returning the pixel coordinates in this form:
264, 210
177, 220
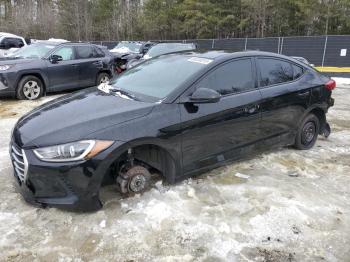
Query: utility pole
327, 17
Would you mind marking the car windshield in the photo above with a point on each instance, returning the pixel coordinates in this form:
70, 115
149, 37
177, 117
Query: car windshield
33, 51
162, 49
129, 47
158, 77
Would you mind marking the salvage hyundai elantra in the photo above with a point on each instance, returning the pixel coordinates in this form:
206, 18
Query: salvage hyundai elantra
176, 115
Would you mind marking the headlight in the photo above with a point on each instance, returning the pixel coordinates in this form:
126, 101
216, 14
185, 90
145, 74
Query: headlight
72, 151
4, 67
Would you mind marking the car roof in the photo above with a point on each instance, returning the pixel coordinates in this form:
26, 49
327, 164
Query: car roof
4, 34
46, 42
139, 42
218, 55
173, 43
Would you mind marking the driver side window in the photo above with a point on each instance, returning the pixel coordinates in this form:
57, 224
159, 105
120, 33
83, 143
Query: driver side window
232, 77
65, 52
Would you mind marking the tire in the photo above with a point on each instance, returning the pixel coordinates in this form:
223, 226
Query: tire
30, 88
307, 133
102, 78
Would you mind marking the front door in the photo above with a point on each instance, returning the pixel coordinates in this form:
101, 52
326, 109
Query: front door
63, 74
216, 132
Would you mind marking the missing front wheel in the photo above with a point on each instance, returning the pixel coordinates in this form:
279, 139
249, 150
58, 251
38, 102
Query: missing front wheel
133, 180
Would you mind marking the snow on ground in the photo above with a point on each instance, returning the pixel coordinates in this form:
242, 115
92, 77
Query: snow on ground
285, 205
341, 81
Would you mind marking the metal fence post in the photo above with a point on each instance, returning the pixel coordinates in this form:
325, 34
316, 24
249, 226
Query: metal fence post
278, 45
245, 44
324, 50
281, 48
213, 44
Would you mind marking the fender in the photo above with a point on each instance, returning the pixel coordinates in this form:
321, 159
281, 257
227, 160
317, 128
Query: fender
35, 72
171, 161
320, 108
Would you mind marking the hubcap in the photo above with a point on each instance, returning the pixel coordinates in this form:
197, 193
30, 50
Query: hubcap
104, 79
31, 90
308, 133
137, 183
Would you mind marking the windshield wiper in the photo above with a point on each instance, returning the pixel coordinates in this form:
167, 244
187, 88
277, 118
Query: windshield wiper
123, 92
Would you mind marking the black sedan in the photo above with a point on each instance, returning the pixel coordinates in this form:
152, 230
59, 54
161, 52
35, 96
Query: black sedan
177, 115
51, 66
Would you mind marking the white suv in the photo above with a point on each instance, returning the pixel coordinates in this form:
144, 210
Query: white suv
10, 43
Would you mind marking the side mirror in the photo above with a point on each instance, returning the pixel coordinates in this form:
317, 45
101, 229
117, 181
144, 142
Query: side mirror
55, 59
205, 95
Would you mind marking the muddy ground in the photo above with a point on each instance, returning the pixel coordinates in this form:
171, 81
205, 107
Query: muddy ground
252, 210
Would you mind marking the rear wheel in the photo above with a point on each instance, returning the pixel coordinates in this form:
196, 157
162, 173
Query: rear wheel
102, 78
307, 132
30, 88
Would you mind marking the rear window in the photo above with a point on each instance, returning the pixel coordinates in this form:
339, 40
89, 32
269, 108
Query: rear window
98, 52
298, 71
84, 52
274, 71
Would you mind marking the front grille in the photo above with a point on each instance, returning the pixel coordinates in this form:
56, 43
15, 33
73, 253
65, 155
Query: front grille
19, 162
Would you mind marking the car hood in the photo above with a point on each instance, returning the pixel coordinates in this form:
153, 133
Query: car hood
125, 55
72, 117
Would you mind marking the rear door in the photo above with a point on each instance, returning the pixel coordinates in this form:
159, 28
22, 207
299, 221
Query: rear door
216, 132
63, 74
286, 96
90, 63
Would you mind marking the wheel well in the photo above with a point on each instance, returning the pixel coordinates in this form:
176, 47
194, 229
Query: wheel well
36, 75
152, 156
321, 117
105, 71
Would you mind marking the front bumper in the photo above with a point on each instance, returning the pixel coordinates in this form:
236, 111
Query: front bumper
7, 81
72, 185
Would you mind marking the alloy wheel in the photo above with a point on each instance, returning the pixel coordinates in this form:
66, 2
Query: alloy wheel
104, 79
31, 90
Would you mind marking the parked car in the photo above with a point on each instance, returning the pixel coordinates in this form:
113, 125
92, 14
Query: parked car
10, 43
162, 49
49, 67
126, 51
178, 114
303, 60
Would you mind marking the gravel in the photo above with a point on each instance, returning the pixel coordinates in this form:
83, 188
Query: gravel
285, 205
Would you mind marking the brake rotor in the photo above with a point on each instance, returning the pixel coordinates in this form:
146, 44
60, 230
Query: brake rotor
135, 180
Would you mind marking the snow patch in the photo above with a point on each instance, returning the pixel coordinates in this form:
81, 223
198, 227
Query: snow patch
342, 81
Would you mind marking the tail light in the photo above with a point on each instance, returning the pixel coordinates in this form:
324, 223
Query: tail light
118, 70
330, 85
